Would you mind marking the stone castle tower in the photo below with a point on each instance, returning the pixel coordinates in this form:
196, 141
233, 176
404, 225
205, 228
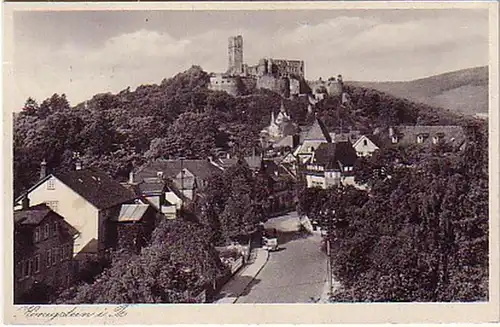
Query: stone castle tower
235, 55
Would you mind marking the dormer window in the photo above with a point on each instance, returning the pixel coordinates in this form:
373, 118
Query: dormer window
435, 140
365, 143
394, 139
420, 139
159, 174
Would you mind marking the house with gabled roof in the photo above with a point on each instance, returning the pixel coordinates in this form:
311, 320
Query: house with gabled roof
427, 136
134, 225
331, 164
316, 135
366, 145
43, 251
160, 192
87, 199
174, 180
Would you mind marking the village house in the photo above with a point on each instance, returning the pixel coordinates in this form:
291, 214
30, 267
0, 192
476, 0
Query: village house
89, 200
312, 138
133, 227
280, 185
160, 192
366, 145
426, 136
281, 132
43, 253
187, 178
330, 165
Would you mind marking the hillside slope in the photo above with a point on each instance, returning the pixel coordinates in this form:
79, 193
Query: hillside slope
464, 91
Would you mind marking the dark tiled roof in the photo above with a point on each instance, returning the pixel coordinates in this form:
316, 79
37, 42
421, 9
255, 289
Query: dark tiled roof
286, 141
202, 169
329, 154
351, 136
318, 131
32, 216
453, 135
36, 214
96, 187
275, 171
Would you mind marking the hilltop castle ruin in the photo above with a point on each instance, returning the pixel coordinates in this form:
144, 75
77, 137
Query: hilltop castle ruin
283, 76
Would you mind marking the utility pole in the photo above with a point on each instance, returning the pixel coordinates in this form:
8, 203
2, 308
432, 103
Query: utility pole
329, 265
182, 178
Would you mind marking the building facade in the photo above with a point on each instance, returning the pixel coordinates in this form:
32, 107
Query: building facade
87, 199
332, 164
43, 253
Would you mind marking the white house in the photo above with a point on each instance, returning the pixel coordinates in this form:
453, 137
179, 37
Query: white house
332, 164
365, 146
86, 198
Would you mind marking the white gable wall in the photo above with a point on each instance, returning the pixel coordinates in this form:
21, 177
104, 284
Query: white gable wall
364, 146
77, 211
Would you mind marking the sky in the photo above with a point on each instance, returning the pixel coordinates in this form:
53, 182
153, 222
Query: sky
83, 53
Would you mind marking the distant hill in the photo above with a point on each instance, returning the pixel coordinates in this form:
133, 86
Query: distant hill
462, 91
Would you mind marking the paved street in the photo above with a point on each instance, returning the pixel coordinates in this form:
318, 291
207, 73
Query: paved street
295, 273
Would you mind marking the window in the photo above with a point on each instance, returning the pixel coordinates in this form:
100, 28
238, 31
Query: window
346, 168
394, 139
46, 231
24, 269
55, 256
37, 264
435, 140
49, 258
51, 185
52, 205
420, 139
365, 142
54, 228
37, 234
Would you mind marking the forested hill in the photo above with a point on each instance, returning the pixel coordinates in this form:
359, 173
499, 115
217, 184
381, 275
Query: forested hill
463, 91
180, 117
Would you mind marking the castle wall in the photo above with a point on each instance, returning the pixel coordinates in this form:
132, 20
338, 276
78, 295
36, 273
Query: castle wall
294, 86
284, 86
268, 82
288, 67
249, 83
224, 83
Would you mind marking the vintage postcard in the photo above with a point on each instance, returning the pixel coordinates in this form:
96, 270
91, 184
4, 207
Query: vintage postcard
274, 162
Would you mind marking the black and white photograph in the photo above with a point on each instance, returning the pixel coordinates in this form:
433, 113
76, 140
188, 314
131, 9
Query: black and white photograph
208, 156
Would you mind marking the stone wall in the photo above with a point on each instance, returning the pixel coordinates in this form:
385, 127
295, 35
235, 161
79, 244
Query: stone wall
268, 82
224, 83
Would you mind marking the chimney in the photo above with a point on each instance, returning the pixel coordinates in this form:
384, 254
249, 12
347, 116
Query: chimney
391, 131
131, 177
25, 203
43, 169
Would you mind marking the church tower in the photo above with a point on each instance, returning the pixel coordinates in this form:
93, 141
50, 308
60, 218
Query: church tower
235, 55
